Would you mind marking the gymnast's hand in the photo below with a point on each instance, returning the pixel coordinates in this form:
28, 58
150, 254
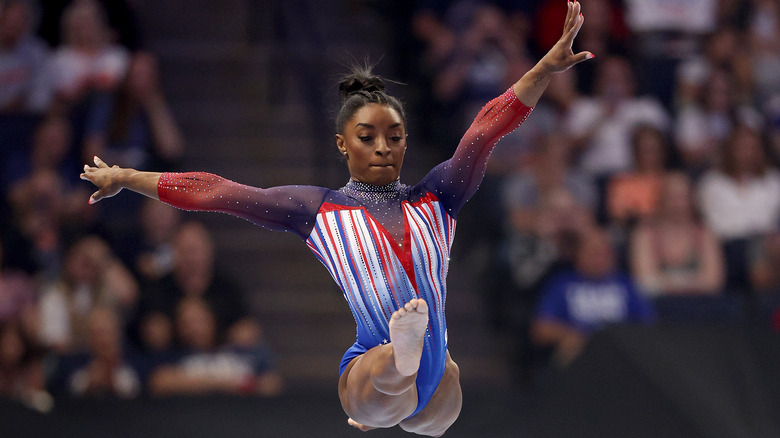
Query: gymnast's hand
561, 57
111, 180
104, 177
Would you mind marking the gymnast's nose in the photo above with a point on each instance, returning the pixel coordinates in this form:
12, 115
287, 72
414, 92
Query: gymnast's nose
382, 149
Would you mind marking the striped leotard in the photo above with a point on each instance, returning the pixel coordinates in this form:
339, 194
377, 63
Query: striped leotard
383, 245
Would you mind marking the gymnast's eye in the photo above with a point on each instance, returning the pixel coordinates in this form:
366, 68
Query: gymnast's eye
365, 138
396, 138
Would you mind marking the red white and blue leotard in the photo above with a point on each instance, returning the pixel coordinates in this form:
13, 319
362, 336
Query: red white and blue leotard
383, 245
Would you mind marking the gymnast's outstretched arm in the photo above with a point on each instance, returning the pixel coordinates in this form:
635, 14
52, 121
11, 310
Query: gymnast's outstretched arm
286, 208
457, 179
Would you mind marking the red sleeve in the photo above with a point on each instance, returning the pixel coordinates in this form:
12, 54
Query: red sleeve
458, 178
285, 208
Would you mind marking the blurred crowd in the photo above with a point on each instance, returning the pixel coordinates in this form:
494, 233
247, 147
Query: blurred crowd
106, 302
645, 185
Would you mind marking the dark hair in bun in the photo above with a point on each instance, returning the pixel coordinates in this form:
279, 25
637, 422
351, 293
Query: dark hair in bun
358, 89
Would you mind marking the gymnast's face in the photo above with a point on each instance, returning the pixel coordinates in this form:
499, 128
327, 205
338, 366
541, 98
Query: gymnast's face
374, 144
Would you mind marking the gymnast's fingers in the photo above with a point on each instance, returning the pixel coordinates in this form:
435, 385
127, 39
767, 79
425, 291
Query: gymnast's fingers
569, 17
99, 162
97, 196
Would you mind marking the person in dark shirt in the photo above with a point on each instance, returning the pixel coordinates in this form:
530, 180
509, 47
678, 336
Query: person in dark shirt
195, 274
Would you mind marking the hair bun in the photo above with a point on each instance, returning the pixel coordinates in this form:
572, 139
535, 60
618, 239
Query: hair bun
361, 79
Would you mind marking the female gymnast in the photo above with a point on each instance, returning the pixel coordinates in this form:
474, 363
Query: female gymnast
386, 244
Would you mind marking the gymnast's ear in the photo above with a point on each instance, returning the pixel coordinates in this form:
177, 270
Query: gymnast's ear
340, 144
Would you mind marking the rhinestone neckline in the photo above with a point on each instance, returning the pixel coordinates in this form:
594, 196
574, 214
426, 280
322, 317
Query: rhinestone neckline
361, 190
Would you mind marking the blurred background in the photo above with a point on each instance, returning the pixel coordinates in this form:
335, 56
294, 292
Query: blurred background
617, 274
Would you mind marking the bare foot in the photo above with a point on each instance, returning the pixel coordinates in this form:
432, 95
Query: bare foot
357, 425
407, 329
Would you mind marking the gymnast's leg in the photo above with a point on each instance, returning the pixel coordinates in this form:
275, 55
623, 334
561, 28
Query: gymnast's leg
443, 408
377, 389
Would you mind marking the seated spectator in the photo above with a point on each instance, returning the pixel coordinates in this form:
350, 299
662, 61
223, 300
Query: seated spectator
104, 369
548, 170
91, 277
87, 60
195, 274
37, 205
21, 368
575, 303
22, 58
601, 126
634, 195
703, 125
721, 48
205, 366
673, 253
740, 200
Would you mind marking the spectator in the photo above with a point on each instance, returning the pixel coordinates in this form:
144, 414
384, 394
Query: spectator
601, 126
634, 195
120, 14
91, 277
701, 127
87, 61
21, 369
721, 51
22, 58
594, 294
50, 150
667, 32
37, 204
672, 253
488, 55
548, 170
104, 369
195, 274
206, 367
740, 200
159, 224
136, 128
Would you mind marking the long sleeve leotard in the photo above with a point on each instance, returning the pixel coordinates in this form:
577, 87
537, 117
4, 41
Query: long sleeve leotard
383, 245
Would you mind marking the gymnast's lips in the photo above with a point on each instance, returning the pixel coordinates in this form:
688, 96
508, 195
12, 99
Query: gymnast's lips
382, 165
